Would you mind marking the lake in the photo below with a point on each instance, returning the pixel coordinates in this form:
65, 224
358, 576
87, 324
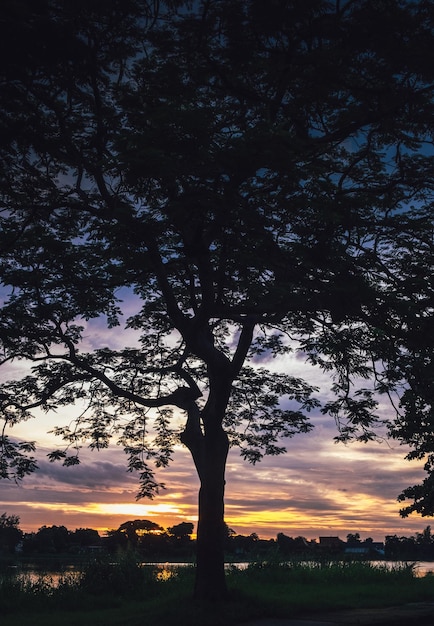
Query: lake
164, 570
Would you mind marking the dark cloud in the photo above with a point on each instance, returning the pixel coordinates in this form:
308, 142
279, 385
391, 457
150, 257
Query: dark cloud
89, 475
284, 504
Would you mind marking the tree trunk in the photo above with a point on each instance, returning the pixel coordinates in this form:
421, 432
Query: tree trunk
208, 443
210, 573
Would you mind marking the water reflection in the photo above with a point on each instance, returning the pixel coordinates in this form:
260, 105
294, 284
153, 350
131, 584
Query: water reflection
164, 571
34, 575
421, 568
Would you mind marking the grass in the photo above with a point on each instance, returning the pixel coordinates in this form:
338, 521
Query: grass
287, 590
128, 595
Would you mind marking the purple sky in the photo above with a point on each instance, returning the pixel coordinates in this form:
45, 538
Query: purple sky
317, 488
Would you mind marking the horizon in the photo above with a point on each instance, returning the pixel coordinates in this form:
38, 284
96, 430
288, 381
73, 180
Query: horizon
105, 532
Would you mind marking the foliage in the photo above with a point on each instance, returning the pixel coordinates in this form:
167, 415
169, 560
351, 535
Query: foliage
123, 577
264, 590
52, 538
9, 521
416, 547
331, 572
59, 539
261, 181
10, 533
181, 531
175, 544
286, 589
86, 537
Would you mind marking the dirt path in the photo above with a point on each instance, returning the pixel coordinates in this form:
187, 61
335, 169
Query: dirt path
415, 614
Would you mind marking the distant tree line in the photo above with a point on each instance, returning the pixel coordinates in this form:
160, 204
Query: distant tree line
416, 547
152, 542
145, 537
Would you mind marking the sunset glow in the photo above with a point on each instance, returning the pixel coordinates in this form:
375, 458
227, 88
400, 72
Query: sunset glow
317, 488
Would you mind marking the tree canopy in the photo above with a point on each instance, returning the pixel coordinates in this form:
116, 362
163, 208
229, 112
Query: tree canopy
261, 178
10, 533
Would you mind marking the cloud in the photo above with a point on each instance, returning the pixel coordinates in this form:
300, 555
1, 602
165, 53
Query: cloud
90, 474
318, 487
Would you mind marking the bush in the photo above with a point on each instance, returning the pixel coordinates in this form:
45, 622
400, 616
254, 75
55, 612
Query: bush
123, 577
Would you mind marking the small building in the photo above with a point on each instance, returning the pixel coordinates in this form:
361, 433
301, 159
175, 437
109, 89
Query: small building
330, 542
357, 549
366, 549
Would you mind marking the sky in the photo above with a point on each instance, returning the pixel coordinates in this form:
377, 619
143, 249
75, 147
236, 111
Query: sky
318, 488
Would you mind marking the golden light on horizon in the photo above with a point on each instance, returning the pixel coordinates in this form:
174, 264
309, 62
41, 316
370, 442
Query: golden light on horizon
324, 489
342, 510
132, 509
102, 516
125, 509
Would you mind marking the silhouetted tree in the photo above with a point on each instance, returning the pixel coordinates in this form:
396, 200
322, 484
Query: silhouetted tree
260, 176
285, 543
289, 546
425, 537
10, 533
182, 531
392, 547
130, 533
115, 541
52, 539
86, 537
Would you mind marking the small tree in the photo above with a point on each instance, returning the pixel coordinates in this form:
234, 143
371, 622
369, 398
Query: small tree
53, 539
260, 177
85, 537
129, 533
182, 531
180, 541
10, 533
353, 538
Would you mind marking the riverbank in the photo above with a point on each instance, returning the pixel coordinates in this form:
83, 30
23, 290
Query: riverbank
129, 594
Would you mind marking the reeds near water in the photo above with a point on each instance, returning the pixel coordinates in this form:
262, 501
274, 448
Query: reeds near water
125, 592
